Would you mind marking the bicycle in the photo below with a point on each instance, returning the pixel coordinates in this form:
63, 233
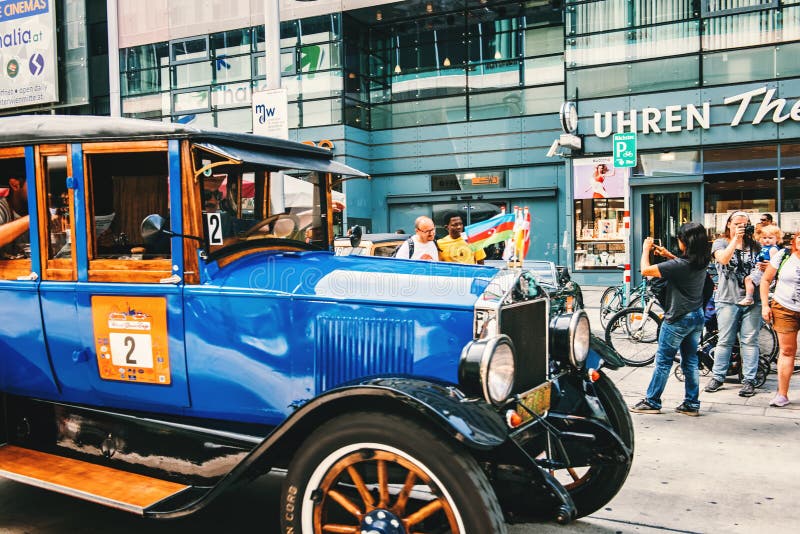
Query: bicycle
613, 298
633, 331
767, 345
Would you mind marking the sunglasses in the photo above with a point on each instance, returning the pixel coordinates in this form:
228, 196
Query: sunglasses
208, 195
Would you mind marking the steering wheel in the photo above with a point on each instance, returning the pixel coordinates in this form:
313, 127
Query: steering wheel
259, 227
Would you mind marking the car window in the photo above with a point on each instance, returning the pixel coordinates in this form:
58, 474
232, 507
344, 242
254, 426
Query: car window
243, 202
386, 250
124, 187
15, 250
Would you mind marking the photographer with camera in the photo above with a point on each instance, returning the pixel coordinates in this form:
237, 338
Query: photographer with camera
736, 255
683, 318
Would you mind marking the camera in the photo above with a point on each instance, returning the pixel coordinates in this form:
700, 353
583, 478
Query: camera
749, 229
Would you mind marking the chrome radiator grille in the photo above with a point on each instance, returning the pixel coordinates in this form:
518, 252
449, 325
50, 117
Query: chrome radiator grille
351, 347
526, 323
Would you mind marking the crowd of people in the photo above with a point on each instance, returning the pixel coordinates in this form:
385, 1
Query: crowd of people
423, 245
746, 258
749, 262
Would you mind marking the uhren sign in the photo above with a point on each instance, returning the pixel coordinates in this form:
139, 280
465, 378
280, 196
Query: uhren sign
677, 117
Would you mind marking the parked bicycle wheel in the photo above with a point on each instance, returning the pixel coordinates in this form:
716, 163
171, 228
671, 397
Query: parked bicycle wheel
634, 335
610, 303
768, 344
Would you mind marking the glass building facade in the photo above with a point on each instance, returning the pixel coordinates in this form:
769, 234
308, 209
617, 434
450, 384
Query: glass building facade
674, 72
441, 67
452, 105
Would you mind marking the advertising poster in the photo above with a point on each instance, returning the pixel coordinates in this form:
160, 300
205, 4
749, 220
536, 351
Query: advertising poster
271, 113
597, 178
27, 53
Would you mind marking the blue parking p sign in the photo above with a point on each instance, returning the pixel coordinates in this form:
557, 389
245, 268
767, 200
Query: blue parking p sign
625, 150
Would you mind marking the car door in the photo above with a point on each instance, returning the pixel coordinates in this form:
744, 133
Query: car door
125, 347
24, 365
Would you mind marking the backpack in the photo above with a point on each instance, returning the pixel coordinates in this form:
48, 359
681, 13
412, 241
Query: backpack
659, 288
410, 242
708, 289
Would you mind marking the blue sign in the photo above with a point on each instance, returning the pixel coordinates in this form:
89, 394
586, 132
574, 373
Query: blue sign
17, 9
625, 150
36, 64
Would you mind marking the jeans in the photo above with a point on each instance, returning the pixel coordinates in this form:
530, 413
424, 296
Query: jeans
683, 334
745, 321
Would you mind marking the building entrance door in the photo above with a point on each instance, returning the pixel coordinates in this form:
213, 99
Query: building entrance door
658, 212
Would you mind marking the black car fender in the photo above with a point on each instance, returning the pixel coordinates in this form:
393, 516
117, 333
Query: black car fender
474, 424
611, 358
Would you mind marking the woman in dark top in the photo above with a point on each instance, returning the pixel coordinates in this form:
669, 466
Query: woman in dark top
683, 319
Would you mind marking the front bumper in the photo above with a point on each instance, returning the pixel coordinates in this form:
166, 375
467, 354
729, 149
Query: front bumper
575, 432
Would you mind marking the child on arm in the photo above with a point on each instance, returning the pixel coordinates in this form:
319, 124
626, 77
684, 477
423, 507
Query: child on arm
769, 237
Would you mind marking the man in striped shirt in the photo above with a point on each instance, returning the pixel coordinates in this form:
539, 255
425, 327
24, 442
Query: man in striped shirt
14, 220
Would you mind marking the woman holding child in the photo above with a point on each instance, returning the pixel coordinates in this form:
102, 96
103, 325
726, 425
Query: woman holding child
784, 313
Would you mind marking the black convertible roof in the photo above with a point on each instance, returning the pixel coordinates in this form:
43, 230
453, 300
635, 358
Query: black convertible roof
36, 129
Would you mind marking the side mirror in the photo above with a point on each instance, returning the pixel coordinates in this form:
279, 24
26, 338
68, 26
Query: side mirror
154, 226
355, 236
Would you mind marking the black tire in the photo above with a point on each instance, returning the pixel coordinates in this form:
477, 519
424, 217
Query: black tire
761, 372
636, 347
678, 372
768, 343
610, 303
598, 485
320, 473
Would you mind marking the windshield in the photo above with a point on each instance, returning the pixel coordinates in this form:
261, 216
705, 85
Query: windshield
244, 202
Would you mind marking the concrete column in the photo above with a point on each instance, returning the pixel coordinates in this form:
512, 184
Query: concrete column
114, 96
272, 42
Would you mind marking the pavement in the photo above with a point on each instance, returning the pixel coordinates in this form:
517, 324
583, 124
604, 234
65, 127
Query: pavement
735, 469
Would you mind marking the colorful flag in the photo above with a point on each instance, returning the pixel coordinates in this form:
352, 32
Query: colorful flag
519, 243
523, 233
494, 230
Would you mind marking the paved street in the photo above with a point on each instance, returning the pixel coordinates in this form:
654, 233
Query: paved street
734, 469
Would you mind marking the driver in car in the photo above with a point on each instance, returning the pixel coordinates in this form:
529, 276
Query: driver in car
212, 203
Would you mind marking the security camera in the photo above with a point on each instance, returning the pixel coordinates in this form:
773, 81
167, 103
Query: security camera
553, 152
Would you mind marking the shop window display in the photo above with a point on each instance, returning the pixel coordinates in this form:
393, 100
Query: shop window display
599, 191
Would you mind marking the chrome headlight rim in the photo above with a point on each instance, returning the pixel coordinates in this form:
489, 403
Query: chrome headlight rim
475, 368
564, 329
578, 355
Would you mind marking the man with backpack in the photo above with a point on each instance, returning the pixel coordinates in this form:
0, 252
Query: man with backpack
420, 246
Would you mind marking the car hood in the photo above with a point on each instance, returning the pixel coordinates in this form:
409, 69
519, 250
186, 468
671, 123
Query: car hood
322, 275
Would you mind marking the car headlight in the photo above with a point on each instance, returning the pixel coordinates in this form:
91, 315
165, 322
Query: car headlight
570, 334
487, 369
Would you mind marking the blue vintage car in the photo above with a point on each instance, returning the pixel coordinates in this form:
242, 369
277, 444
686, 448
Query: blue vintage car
175, 323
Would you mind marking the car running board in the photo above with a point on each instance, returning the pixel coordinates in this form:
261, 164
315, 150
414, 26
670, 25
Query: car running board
96, 483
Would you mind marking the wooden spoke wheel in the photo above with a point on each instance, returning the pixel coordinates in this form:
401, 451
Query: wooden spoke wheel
377, 489
592, 486
385, 474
